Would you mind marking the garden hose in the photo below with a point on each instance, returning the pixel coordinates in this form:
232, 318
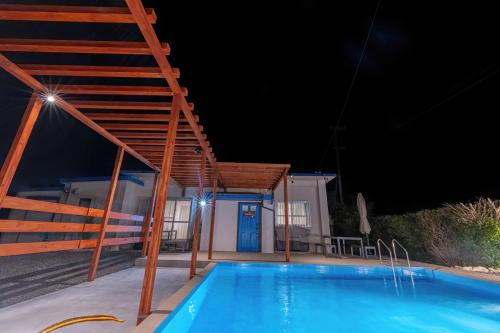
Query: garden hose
77, 320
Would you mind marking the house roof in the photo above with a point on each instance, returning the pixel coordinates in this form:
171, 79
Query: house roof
125, 177
251, 175
326, 176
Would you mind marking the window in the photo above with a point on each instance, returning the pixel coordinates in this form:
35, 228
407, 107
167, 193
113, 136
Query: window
298, 213
176, 222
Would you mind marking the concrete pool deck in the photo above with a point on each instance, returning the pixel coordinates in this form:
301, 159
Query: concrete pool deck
115, 294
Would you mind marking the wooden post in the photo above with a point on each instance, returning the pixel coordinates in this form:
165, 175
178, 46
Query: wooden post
287, 240
147, 218
94, 264
212, 218
18, 144
159, 212
199, 208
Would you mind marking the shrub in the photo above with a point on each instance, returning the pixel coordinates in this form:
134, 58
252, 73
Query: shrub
458, 234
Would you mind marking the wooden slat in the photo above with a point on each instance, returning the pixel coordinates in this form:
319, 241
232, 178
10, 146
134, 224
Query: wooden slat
13, 249
160, 149
115, 105
77, 46
38, 226
43, 206
37, 247
74, 89
58, 208
94, 71
113, 228
18, 145
148, 135
130, 117
154, 142
142, 127
87, 14
91, 243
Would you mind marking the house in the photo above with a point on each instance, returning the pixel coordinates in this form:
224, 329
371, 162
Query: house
246, 219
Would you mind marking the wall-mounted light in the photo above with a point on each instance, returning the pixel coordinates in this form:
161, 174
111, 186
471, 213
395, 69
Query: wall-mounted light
203, 203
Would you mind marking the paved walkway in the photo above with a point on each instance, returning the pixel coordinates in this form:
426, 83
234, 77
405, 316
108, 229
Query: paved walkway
115, 294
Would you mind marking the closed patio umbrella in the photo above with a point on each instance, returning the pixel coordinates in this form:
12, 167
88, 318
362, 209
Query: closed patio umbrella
364, 225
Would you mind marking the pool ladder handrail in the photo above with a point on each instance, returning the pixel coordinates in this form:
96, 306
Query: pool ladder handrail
395, 242
380, 241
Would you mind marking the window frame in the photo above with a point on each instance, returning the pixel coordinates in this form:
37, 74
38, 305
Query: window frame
291, 217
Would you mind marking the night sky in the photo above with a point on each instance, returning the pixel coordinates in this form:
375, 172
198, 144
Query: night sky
269, 79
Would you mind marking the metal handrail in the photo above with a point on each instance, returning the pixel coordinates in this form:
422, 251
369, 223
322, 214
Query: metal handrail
379, 241
393, 243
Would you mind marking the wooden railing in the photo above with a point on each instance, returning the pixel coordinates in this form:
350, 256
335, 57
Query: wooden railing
9, 249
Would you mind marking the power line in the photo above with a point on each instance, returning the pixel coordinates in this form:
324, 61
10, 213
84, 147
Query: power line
447, 99
353, 80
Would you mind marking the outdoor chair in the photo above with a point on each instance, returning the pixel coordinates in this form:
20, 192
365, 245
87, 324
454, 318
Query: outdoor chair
370, 251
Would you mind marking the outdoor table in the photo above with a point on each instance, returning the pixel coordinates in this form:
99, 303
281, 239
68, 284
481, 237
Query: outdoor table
342, 240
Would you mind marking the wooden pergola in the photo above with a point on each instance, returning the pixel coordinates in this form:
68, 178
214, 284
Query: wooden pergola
152, 122
264, 176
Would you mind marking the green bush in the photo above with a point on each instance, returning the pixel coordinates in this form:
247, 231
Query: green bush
459, 234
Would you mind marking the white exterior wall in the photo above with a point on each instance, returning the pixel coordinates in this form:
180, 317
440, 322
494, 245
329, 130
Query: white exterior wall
226, 226
312, 189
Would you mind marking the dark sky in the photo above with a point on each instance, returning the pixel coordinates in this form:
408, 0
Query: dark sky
269, 78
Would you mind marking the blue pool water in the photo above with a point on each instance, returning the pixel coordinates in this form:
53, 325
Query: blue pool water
278, 298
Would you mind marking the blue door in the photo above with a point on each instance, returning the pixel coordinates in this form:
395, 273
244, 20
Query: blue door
248, 227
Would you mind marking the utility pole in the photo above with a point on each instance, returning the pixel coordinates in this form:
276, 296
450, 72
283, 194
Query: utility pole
337, 157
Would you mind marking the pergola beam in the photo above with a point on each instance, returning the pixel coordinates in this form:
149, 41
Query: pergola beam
87, 14
159, 214
142, 127
96, 255
155, 148
149, 215
19, 144
111, 116
96, 71
77, 46
155, 142
121, 105
148, 135
141, 19
212, 218
196, 232
114, 90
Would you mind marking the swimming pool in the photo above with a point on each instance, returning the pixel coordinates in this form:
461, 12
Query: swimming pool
293, 298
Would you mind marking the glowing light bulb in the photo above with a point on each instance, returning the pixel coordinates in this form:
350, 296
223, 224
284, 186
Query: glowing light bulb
203, 203
50, 98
